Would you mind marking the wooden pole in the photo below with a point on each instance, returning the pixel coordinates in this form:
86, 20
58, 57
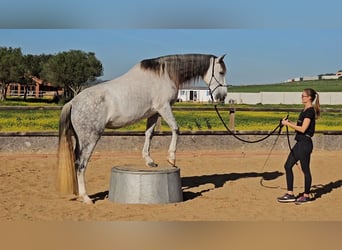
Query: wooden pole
158, 125
232, 118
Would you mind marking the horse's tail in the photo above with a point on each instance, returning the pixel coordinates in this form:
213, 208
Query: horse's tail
66, 178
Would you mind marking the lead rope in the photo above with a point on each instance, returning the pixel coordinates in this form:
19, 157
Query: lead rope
267, 158
280, 126
221, 119
241, 139
269, 154
291, 151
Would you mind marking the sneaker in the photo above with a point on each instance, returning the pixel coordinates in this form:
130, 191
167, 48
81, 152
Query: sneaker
302, 199
287, 198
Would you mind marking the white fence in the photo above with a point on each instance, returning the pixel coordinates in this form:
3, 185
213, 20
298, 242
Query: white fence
31, 93
327, 98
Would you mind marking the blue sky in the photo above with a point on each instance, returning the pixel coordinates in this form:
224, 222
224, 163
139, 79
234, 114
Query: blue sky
266, 41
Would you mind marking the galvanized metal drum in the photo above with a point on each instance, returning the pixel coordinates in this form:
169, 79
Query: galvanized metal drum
131, 184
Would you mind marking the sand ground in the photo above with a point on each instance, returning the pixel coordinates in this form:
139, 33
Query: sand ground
217, 185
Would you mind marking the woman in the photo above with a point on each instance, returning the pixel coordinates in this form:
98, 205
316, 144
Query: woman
301, 151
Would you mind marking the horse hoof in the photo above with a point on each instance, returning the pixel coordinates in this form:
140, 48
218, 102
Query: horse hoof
172, 162
88, 201
152, 164
82, 200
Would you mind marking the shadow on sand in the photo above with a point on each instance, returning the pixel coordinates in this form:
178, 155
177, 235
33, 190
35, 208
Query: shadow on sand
319, 190
99, 196
219, 180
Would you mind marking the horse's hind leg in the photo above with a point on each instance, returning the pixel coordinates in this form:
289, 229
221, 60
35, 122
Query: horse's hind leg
151, 124
84, 149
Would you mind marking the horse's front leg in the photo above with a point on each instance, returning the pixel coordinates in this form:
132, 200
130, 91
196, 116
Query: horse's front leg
166, 113
150, 125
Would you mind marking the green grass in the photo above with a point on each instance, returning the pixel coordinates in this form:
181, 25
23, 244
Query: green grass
265, 120
29, 120
15, 101
47, 120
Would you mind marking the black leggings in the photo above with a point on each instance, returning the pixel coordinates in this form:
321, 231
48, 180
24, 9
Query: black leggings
301, 151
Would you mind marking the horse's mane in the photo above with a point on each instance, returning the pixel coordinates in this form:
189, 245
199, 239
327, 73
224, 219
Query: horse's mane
180, 68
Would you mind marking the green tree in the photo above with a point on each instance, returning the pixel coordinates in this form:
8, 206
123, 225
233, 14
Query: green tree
33, 67
11, 68
34, 64
72, 70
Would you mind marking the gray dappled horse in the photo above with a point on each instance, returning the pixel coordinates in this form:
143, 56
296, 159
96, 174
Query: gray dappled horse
145, 91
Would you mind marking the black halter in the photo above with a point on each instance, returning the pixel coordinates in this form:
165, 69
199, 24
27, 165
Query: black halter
219, 84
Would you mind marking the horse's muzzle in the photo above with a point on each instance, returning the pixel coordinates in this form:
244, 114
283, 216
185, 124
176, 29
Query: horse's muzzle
221, 94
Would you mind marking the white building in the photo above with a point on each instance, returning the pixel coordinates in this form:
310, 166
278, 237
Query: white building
331, 76
194, 94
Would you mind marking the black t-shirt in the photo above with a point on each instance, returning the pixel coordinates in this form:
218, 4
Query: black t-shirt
309, 132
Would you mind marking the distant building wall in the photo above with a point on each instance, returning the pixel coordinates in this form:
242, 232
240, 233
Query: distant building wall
327, 98
310, 78
314, 78
202, 95
243, 98
330, 77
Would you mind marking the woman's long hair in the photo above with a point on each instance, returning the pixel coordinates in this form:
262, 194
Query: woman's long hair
314, 96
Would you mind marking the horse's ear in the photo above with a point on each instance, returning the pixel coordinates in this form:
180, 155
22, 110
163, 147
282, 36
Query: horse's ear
221, 58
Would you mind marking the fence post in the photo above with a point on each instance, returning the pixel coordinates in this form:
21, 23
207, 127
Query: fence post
158, 124
231, 116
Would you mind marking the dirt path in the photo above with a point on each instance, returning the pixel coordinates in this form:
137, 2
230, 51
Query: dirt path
217, 186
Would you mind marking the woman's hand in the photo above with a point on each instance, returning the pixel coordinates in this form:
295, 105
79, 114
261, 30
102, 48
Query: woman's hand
285, 122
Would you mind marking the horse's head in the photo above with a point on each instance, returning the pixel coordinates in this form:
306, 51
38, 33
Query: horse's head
215, 78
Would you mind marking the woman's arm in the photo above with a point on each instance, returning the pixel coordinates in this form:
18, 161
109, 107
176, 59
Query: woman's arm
301, 129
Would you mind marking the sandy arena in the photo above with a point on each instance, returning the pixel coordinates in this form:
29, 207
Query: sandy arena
217, 185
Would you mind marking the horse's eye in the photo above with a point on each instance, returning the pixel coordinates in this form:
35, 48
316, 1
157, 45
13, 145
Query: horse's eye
221, 73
